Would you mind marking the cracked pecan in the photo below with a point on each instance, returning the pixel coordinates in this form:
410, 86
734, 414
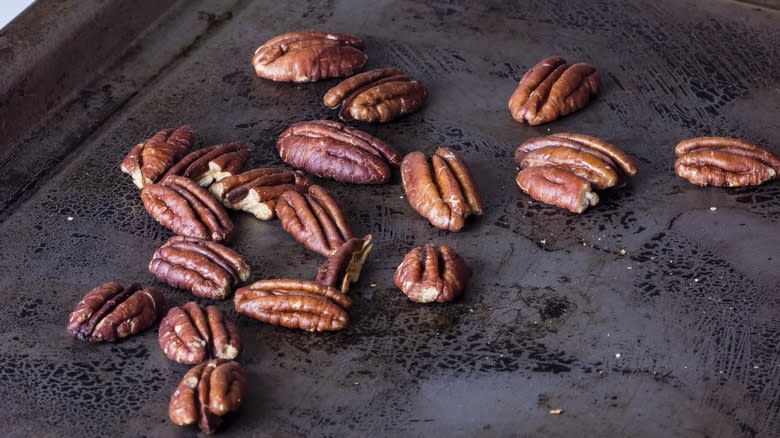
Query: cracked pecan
110, 312
315, 219
724, 162
257, 191
429, 274
556, 186
149, 160
309, 56
343, 266
211, 164
552, 89
191, 334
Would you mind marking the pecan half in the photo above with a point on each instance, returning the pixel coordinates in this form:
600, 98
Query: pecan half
552, 89
376, 96
315, 219
442, 190
343, 266
210, 164
430, 274
207, 393
309, 56
191, 334
110, 312
296, 304
149, 160
333, 150
557, 186
257, 191
207, 268
724, 162
187, 209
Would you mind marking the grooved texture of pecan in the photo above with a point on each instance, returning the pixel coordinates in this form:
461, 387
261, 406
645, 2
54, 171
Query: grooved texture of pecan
191, 334
187, 209
725, 162
309, 56
207, 393
343, 266
443, 189
315, 219
296, 304
257, 191
207, 268
204, 166
555, 186
429, 274
333, 150
376, 96
149, 160
552, 89
110, 312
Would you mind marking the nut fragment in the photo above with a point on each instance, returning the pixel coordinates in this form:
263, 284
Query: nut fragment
210, 164
315, 219
556, 186
207, 393
376, 96
110, 312
343, 267
149, 160
191, 334
724, 162
552, 89
443, 191
208, 269
296, 304
257, 191
309, 56
430, 274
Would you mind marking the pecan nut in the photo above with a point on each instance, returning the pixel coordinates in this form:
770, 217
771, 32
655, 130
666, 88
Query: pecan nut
207, 393
110, 312
315, 219
556, 186
149, 160
724, 162
187, 209
442, 190
207, 268
296, 304
343, 266
376, 96
210, 164
336, 151
257, 191
309, 56
191, 334
552, 89
429, 274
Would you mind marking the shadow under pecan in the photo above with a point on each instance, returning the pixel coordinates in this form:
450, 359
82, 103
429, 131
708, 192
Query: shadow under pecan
110, 312
191, 334
552, 89
258, 190
309, 56
725, 162
315, 219
429, 274
149, 160
210, 164
343, 266
376, 96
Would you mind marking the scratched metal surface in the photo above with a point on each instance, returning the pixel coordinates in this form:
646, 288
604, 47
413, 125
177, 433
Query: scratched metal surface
655, 313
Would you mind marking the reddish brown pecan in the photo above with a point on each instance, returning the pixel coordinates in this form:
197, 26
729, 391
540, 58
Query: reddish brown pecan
552, 89
110, 312
343, 267
210, 164
430, 274
724, 162
207, 268
309, 56
557, 186
191, 334
257, 191
315, 219
376, 96
149, 160
296, 304
207, 393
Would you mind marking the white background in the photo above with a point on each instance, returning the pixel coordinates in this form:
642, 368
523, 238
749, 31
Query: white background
10, 9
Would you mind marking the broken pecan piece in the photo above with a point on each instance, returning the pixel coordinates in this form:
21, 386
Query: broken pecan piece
442, 190
309, 56
557, 186
207, 268
315, 219
296, 304
430, 274
343, 266
257, 191
724, 162
149, 160
210, 164
191, 334
207, 393
110, 312
552, 89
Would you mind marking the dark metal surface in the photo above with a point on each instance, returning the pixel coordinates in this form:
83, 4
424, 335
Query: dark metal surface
655, 313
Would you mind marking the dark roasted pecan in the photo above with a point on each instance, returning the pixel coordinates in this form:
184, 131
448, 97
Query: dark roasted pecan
149, 160
207, 393
315, 219
110, 312
430, 274
191, 334
557, 186
376, 96
210, 164
724, 162
257, 191
309, 56
207, 268
552, 89
442, 190
343, 267
187, 209
333, 150
295, 304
